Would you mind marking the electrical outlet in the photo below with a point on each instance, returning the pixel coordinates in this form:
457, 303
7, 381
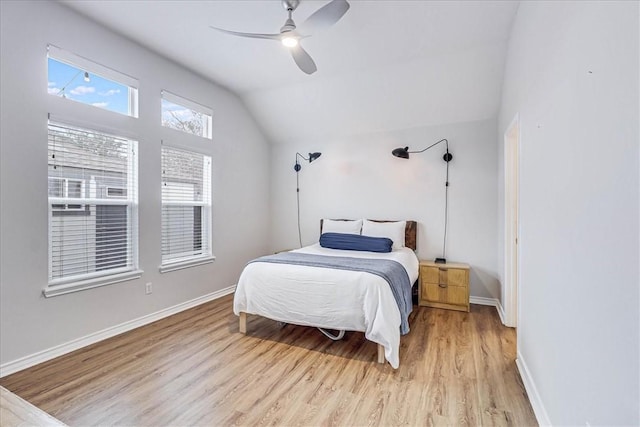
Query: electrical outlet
148, 288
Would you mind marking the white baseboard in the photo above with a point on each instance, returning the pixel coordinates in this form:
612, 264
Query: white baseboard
484, 301
53, 352
501, 312
489, 301
532, 392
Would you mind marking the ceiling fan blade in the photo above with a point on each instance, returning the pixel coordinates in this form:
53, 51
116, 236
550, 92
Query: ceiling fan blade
250, 35
303, 59
325, 17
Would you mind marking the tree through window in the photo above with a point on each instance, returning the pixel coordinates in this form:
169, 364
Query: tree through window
187, 116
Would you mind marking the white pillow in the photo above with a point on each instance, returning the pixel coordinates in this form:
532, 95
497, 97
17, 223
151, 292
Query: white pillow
392, 230
343, 227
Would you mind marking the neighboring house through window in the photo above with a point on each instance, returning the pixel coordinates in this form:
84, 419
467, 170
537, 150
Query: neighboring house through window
186, 208
83, 165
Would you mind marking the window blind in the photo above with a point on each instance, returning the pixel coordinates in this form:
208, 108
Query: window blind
92, 232
186, 205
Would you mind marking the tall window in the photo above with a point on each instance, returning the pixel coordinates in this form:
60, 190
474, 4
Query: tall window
186, 206
185, 115
92, 232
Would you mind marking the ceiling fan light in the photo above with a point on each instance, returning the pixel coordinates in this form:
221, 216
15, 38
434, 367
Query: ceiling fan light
290, 41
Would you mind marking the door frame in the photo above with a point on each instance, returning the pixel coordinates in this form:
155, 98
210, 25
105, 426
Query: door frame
511, 221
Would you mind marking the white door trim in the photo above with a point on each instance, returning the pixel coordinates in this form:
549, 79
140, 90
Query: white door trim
511, 221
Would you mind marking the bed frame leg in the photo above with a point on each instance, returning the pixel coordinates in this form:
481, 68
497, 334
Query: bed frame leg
380, 353
243, 323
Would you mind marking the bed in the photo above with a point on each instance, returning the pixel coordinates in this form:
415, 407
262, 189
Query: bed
332, 298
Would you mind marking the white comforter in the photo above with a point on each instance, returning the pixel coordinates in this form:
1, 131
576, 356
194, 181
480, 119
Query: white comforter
328, 298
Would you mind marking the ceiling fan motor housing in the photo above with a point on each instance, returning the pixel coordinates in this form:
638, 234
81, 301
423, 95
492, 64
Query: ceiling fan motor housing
290, 5
289, 25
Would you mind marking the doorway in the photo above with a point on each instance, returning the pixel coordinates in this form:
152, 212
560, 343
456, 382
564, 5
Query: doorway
511, 204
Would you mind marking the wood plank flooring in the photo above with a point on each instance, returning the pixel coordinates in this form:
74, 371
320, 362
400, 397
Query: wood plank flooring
195, 368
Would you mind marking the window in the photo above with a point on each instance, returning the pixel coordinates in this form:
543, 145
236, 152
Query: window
186, 208
186, 116
90, 249
69, 189
117, 192
76, 78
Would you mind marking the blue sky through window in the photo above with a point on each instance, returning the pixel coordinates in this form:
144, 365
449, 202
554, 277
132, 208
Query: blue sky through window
69, 81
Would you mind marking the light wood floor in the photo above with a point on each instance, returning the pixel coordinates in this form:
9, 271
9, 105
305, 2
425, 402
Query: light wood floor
194, 368
15, 411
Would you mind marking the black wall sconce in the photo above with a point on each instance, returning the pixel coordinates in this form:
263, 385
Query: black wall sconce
297, 167
403, 153
312, 157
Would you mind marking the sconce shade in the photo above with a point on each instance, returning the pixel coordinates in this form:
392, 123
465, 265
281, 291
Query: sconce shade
403, 153
314, 156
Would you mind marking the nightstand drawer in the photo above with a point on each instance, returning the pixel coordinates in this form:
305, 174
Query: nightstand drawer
457, 277
430, 274
444, 276
456, 295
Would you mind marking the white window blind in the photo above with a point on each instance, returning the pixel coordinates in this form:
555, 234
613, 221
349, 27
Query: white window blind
186, 206
91, 233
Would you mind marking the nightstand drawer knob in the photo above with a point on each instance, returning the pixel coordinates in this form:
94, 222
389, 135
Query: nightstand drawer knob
442, 285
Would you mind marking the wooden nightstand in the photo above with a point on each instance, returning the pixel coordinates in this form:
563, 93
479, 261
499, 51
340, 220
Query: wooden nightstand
444, 285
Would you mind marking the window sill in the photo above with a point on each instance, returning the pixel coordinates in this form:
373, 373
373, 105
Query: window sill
81, 285
179, 265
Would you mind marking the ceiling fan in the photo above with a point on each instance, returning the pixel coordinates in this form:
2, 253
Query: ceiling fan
322, 18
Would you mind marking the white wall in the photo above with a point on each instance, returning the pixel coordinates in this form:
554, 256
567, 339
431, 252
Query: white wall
31, 323
572, 75
357, 177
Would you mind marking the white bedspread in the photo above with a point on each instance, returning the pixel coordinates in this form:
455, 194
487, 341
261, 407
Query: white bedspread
328, 298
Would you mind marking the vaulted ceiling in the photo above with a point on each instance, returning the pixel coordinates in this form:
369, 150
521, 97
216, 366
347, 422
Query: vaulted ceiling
387, 64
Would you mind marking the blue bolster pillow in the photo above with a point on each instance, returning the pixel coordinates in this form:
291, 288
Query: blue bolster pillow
355, 242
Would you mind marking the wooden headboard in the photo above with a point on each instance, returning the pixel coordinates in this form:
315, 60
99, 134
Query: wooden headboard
410, 231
